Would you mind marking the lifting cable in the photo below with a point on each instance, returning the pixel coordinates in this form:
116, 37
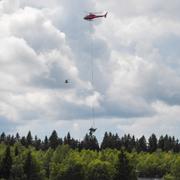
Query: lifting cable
92, 76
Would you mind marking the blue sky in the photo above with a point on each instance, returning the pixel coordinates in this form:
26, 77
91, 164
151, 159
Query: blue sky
136, 59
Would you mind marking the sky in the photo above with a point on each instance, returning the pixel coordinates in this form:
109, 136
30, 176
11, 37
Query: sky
134, 54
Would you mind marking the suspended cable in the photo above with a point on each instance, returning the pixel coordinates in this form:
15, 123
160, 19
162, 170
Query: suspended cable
90, 17
92, 77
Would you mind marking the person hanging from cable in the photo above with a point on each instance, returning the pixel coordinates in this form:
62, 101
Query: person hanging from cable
91, 131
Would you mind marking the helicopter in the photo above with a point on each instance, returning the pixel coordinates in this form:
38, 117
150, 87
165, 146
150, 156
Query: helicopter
92, 16
66, 81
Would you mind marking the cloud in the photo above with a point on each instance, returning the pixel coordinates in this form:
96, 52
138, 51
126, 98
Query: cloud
36, 59
164, 122
6, 125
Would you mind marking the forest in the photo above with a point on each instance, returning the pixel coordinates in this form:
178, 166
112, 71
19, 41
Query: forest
115, 158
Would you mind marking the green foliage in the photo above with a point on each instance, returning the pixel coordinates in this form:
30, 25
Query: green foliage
154, 165
142, 145
175, 169
71, 142
60, 153
99, 170
45, 144
17, 171
53, 140
6, 164
73, 170
31, 169
90, 142
152, 143
47, 161
124, 170
169, 177
29, 139
110, 141
109, 155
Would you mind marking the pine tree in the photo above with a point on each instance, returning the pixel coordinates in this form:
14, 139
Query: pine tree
60, 141
12, 141
53, 140
23, 141
124, 171
125, 141
67, 139
176, 146
74, 144
45, 143
173, 143
29, 139
117, 142
166, 143
8, 140
90, 142
161, 143
17, 138
129, 142
30, 168
104, 141
70, 141
142, 144
16, 151
152, 143
37, 143
6, 164
133, 143
111, 141
2, 137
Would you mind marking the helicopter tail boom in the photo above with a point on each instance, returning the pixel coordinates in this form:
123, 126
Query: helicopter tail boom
105, 15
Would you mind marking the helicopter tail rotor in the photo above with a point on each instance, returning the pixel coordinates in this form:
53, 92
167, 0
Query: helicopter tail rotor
105, 14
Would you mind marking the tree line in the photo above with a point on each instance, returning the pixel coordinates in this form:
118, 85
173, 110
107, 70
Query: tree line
54, 158
113, 141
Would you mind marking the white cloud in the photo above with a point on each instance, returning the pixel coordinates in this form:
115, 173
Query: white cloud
166, 121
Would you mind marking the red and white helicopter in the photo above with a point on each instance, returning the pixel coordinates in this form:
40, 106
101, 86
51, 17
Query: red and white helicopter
92, 16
